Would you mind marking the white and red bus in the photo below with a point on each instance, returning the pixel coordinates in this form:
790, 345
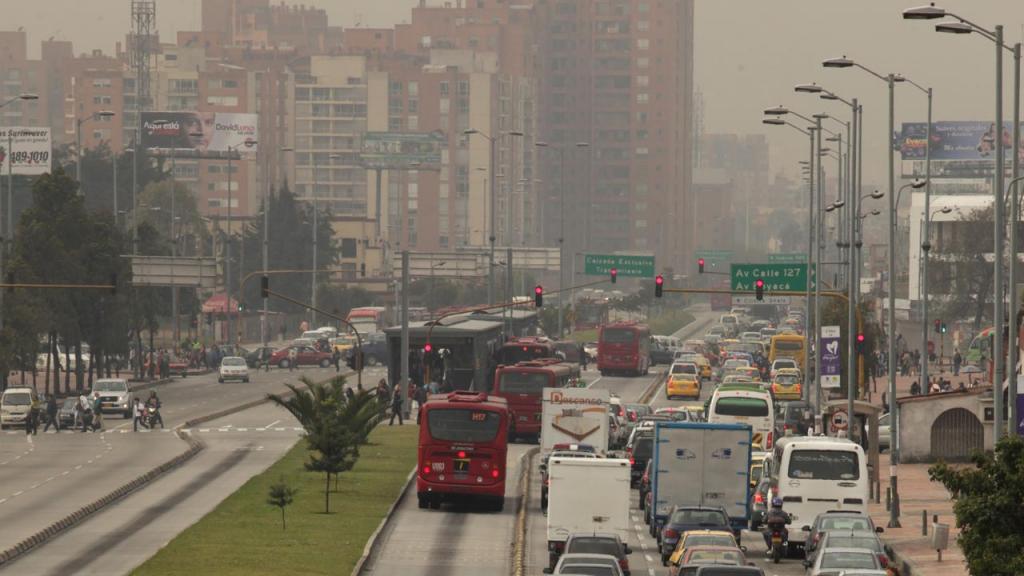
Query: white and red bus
462, 449
524, 349
624, 347
522, 386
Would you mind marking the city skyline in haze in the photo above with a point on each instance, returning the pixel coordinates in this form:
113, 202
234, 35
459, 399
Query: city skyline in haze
748, 57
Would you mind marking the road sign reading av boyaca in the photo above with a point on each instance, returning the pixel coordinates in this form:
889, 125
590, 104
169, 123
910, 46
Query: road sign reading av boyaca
776, 277
625, 265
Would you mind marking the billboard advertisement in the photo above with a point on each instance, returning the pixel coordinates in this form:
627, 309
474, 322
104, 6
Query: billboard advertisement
398, 150
960, 140
830, 359
27, 148
201, 131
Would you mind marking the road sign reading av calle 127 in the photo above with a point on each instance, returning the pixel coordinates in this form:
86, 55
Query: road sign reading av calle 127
777, 277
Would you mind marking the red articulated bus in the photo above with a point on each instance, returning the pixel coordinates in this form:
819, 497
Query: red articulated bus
462, 449
524, 349
522, 386
624, 347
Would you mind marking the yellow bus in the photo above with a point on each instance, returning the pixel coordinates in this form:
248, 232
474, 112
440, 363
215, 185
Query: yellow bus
789, 346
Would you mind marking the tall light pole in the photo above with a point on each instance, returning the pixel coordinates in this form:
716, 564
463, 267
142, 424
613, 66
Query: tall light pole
265, 321
316, 235
964, 26
561, 225
232, 150
10, 188
776, 120
78, 142
490, 260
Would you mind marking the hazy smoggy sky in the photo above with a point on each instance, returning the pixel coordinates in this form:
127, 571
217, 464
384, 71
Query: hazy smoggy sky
749, 54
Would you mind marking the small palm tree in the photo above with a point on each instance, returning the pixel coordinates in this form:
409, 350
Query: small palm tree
281, 495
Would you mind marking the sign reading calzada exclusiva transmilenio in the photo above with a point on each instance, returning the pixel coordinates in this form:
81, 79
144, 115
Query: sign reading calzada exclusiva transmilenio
574, 416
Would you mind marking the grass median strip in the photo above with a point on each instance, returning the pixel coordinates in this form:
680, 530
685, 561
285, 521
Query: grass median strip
243, 535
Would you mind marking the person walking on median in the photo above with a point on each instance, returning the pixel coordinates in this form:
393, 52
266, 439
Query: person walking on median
421, 399
396, 405
958, 361
293, 356
51, 414
32, 419
97, 412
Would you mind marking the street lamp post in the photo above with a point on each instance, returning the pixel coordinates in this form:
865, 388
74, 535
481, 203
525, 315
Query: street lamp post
10, 189
490, 259
964, 26
265, 322
78, 142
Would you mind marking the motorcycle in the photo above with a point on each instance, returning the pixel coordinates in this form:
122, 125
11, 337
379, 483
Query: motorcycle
777, 546
151, 417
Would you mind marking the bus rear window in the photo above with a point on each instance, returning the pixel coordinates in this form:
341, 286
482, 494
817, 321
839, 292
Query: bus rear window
618, 335
788, 345
463, 425
532, 383
510, 355
741, 407
824, 465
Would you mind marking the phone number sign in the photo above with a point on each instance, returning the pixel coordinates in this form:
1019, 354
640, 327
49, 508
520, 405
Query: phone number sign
624, 264
777, 277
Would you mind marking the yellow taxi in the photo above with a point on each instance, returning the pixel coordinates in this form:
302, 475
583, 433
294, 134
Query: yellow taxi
343, 343
750, 372
700, 360
692, 538
756, 467
682, 381
786, 384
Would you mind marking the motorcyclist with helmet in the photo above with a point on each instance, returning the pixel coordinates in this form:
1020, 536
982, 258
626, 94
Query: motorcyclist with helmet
154, 402
776, 520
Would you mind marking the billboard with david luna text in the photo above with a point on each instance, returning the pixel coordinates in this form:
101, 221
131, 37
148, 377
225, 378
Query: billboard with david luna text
27, 148
201, 131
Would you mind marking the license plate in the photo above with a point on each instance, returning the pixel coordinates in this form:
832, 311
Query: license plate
776, 540
461, 465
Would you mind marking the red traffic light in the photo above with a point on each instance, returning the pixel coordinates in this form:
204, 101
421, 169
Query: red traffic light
759, 283
860, 338
538, 296
700, 265
538, 290
615, 274
427, 347
659, 280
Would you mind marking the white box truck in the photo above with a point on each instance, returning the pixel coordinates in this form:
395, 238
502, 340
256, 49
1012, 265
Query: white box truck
574, 416
587, 495
698, 464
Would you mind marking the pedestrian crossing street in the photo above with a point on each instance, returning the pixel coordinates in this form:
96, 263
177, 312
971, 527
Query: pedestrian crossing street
169, 430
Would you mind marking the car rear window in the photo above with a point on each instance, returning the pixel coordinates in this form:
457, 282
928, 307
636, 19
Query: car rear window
845, 523
833, 560
594, 546
684, 369
714, 555
845, 541
589, 570
709, 540
699, 517
643, 447
824, 465
741, 407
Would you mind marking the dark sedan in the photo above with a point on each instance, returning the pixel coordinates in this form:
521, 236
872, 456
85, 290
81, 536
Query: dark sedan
685, 518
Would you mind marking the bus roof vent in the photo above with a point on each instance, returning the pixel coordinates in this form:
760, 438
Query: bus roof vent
467, 396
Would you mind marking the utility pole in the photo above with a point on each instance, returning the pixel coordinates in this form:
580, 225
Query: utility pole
405, 331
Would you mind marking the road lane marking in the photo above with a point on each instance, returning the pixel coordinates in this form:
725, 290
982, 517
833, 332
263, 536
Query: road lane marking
18, 493
242, 429
34, 486
269, 425
65, 473
79, 467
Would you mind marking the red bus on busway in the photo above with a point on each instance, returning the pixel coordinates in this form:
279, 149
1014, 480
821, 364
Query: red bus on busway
462, 449
624, 347
522, 386
524, 349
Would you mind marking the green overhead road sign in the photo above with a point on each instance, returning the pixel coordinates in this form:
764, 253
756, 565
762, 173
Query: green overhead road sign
625, 264
787, 258
777, 277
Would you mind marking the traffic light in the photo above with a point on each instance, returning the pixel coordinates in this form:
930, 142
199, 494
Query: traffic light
759, 289
538, 296
265, 286
700, 265
615, 274
943, 330
659, 285
938, 326
427, 348
859, 344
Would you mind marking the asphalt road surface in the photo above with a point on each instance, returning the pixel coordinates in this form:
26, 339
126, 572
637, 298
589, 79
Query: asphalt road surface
52, 475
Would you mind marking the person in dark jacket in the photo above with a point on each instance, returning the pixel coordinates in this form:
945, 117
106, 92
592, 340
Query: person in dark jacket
51, 414
421, 399
396, 405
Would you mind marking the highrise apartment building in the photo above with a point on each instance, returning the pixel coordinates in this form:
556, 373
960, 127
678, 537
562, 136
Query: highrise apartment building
617, 75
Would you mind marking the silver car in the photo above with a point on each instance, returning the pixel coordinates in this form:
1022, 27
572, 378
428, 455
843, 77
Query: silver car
582, 564
115, 396
837, 560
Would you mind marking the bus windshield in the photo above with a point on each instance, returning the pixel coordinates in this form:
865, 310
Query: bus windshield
741, 407
824, 465
463, 425
531, 383
618, 335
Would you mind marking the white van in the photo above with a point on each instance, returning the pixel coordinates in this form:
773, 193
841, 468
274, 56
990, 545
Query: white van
815, 474
15, 404
745, 406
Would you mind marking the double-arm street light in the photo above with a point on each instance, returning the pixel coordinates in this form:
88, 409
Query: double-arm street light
491, 166
774, 118
962, 25
232, 151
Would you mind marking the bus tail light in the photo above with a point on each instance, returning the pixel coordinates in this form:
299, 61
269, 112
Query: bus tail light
426, 469
758, 498
495, 473
771, 436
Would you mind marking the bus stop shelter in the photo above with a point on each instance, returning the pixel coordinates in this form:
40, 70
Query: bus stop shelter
461, 355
